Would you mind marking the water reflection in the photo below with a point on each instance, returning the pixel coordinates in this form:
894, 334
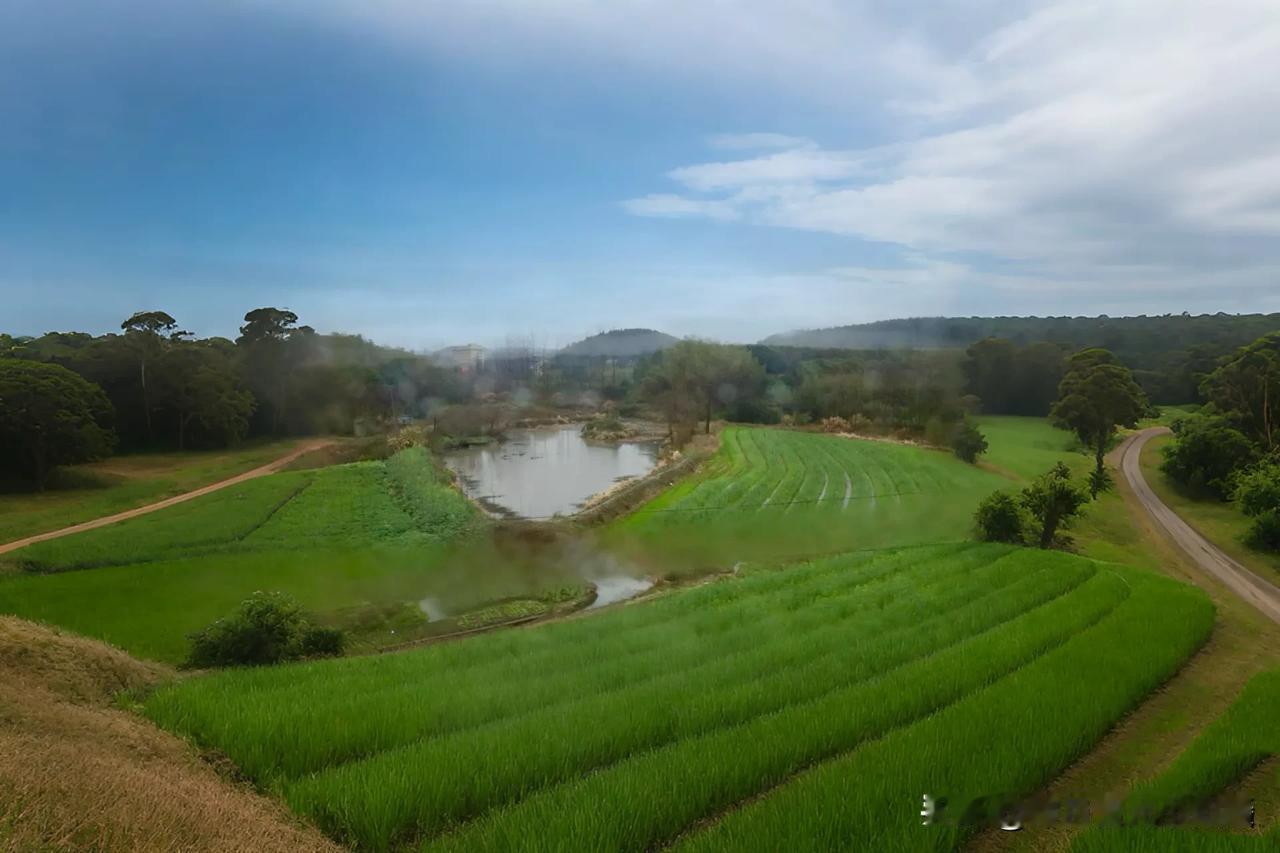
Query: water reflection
537, 473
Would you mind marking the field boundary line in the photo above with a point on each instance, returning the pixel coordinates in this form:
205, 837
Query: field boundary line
788, 705
711, 820
93, 524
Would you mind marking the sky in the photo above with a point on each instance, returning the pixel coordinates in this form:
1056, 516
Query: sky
429, 173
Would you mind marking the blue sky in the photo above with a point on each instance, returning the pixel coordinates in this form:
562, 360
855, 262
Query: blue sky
427, 173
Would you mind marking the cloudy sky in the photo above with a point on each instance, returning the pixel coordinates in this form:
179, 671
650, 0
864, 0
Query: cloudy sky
431, 172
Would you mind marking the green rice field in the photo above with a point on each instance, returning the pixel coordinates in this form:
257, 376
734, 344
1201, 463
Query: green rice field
775, 493
1199, 803
806, 707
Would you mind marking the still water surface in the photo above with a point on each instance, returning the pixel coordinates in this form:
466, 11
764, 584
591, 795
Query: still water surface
539, 472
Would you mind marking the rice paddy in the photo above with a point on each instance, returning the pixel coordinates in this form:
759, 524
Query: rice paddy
1201, 803
773, 493
698, 718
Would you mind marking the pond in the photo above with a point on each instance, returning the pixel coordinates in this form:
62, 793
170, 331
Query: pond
537, 473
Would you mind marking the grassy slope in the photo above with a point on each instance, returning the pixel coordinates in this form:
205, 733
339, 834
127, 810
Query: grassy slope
124, 482
78, 773
783, 669
368, 532
777, 494
1244, 643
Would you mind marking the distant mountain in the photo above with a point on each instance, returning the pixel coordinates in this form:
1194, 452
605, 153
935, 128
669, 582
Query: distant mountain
1166, 332
621, 343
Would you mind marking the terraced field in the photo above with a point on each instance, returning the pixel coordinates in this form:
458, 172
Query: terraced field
802, 708
785, 492
365, 532
403, 500
1233, 762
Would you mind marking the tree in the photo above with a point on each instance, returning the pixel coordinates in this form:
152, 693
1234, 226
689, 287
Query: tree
1205, 453
49, 416
1258, 493
968, 442
696, 378
1053, 500
202, 388
274, 349
1246, 389
1001, 518
142, 332
268, 627
1096, 396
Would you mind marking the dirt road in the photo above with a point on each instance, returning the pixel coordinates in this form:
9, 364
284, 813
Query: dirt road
1260, 593
269, 468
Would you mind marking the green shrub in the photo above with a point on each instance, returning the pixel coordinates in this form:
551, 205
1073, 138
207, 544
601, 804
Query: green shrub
1000, 518
268, 627
1205, 454
968, 442
1258, 493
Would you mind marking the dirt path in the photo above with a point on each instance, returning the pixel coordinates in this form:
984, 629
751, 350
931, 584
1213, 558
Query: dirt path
269, 468
1260, 593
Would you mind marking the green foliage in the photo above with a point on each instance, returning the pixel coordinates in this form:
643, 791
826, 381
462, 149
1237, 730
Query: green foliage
968, 442
1205, 454
1001, 518
268, 627
1258, 493
1053, 501
630, 730
694, 379
49, 416
1246, 389
1097, 395
1012, 379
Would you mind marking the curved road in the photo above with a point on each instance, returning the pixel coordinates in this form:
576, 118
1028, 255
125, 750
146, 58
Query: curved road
269, 468
1262, 594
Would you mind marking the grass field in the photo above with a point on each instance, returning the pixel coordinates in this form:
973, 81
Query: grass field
403, 501
773, 493
729, 716
366, 533
1233, 762
83, 492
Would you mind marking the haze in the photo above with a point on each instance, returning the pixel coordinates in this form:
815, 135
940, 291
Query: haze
433, 173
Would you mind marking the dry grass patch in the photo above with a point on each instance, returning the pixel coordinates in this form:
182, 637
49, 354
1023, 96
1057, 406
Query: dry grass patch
77, 773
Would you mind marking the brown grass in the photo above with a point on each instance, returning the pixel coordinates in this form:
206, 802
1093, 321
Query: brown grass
78, 773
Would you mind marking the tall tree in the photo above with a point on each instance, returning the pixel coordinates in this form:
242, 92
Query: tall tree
274, 346
1246, 388
142, 332
201, 388
695, 378
49, 416
1096, 397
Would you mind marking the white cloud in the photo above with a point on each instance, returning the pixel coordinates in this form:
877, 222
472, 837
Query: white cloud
1083, 140
670, 205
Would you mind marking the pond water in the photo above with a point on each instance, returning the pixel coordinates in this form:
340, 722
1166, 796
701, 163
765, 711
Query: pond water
539, 472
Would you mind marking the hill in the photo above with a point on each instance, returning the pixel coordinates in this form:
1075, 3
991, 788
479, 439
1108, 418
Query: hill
1159, 333
621, 343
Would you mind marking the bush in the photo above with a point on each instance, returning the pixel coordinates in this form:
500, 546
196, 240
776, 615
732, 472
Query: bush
968, 442
1000, 518
268, 627
1205, 454
1053, 500
1258, 493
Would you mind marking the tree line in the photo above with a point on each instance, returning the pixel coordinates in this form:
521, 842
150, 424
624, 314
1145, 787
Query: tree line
68, 397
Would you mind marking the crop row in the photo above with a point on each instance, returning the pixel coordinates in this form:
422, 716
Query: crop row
402, 500
424, 789
291, 721
1244, 739
1010, 737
